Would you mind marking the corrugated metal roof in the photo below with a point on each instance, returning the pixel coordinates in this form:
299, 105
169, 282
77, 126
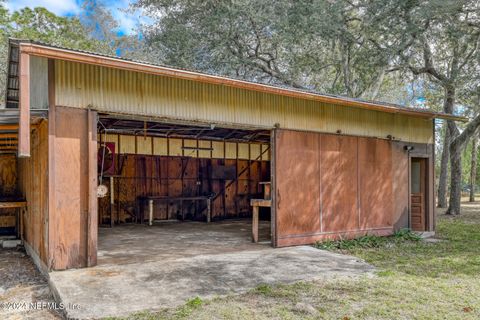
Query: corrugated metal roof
250, 85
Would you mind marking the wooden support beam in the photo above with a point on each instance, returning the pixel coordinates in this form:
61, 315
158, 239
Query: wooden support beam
8, 142
92, 227
13, 204
8, 136
24, 121
52, 205
8, 148
8, 127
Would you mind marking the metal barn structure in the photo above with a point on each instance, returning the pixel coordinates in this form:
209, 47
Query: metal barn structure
91, 141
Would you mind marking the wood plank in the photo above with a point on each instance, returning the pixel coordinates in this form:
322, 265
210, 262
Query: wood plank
255, 224
8, 127
8, 143
260, 203
375, 183
8, 135
338, 176
52, 207
15, 204
71, 186
24, 121
92, 223
297, 191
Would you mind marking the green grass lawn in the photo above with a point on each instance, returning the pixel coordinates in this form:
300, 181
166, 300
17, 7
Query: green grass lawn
415, 280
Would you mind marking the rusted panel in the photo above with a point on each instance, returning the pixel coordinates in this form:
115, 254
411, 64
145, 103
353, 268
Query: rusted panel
69, 219
24, 121
338, 174
297, 183
375, 183
79, 86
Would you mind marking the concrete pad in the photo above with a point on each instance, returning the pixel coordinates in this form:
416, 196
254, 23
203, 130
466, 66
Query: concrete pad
10, 244
120, 290
151, 268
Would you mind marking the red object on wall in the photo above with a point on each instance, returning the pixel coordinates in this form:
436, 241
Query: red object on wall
106, 156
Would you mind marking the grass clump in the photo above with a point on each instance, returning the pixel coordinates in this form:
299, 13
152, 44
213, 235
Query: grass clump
369, 241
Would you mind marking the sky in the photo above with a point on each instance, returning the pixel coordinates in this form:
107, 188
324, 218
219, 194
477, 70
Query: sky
127, 21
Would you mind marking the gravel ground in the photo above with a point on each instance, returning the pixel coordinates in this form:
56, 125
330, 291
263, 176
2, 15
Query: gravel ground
24, 291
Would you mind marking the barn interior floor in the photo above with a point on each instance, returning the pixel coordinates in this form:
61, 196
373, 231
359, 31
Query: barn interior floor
133, 243
151, 268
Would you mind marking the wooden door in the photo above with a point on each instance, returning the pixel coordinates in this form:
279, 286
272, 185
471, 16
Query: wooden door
418, 194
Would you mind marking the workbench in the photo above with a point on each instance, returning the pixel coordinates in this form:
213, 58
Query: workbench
256, 203
15, 205
141, 201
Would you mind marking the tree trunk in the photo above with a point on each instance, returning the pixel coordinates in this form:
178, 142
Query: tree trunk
455, 180
442, 181
473, 168
455, 155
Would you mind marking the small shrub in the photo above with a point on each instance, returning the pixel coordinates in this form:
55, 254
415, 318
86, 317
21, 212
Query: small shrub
264, 289
187, 309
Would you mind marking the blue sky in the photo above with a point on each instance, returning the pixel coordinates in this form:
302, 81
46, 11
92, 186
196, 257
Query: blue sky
127, 21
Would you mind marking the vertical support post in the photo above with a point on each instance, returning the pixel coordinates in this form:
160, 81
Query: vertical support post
92, 228
112, 201
150, 212
52, 205
24, 122
273, 195
209, 210
255, 224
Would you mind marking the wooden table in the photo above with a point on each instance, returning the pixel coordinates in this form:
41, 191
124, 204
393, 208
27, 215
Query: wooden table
16, 205
151, 200
256, 203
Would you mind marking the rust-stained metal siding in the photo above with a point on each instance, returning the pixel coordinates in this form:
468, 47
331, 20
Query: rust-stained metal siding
113, 90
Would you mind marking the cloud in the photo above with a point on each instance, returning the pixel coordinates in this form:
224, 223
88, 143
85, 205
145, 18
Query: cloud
59, 7
127, 20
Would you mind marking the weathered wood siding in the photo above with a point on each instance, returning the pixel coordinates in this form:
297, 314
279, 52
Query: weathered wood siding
33, 185
339, 186
68, 221
8, 188
107, 89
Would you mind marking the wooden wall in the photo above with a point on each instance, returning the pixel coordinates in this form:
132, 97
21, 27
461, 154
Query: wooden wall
8, 189
330, 186
72, 241
161, 168
33, 185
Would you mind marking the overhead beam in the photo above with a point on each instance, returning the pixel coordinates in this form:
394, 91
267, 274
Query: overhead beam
24, 121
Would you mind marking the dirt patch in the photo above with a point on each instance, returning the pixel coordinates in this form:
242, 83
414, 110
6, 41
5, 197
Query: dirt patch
24, 291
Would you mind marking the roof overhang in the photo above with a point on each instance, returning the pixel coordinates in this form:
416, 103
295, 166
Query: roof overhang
50, 52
